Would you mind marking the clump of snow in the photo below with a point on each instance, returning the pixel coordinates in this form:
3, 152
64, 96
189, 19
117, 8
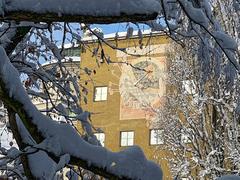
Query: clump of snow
83, 117
196, 14
225, 40
207, 8
129, 32
229, 177
13, 153
6, 37
63, 161
41, 165
72, 175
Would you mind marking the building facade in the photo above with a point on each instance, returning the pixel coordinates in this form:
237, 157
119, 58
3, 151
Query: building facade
125, 82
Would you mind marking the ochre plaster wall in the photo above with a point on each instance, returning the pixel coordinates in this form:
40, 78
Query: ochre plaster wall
106, 114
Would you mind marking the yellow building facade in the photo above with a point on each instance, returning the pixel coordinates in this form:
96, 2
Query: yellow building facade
125, 83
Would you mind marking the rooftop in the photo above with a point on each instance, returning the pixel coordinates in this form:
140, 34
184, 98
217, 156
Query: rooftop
122, 35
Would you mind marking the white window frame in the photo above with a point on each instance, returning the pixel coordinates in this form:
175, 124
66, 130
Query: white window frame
100, 93
156, 137
126, 138
101, 138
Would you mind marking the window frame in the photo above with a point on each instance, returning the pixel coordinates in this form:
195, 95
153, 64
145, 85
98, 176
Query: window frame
94, 94
157, 141
126, 131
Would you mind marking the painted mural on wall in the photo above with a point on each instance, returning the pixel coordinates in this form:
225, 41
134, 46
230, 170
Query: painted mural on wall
141, 88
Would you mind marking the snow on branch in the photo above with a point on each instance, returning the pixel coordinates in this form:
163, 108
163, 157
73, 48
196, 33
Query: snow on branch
196, 14
104, 11
60, 139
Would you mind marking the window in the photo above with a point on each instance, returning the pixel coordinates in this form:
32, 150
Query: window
100, 93
127, 138
72, 52
100, 137
156, 136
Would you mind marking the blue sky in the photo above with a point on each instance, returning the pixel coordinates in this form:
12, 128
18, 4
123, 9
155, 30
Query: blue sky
107, 29
118, 27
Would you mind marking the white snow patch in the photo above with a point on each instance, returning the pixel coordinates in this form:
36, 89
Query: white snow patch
225, 40
229, 177
196, 14
41, 165
85, 7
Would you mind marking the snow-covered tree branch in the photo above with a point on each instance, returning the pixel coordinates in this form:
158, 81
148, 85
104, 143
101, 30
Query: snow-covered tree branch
79, 10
